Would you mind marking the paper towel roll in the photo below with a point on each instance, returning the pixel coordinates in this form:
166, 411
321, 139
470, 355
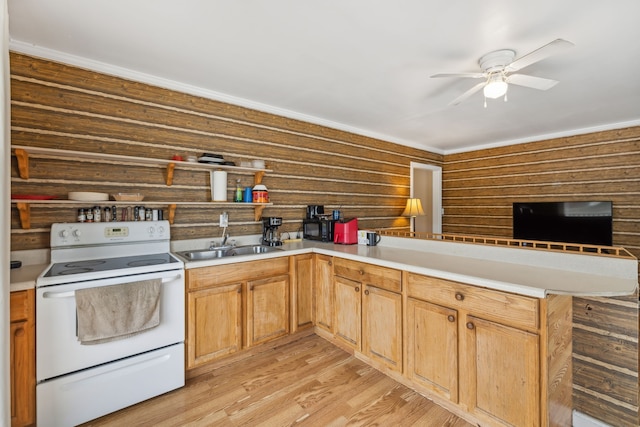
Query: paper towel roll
219, 186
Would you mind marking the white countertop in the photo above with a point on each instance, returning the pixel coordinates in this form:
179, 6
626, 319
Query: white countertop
522, 271
528, 272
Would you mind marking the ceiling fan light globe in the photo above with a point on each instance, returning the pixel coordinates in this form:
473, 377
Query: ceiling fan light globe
495, 89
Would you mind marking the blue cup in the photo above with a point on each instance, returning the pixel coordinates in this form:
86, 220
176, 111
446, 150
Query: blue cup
247, 196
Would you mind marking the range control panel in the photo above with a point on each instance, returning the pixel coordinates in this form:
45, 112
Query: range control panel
97, 233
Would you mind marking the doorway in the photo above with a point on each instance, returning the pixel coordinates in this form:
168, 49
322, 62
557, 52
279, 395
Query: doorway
426, 185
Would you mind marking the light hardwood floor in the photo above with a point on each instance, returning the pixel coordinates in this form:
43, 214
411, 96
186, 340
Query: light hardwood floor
308, 382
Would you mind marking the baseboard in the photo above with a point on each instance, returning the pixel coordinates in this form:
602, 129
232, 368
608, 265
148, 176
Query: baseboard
584, 420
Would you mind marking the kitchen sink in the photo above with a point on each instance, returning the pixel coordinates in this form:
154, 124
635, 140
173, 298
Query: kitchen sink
205, 254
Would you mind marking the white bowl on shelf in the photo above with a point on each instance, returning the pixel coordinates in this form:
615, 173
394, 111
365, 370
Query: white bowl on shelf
87, 196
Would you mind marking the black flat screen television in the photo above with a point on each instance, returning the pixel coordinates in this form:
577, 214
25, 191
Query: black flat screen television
568, 222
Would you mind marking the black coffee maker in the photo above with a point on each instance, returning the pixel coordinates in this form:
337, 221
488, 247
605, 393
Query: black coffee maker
270, 226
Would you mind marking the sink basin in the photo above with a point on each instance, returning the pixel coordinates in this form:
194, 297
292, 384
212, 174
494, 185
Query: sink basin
252, 249
205, 254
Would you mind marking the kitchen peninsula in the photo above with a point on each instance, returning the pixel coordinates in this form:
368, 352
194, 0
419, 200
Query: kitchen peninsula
465, 324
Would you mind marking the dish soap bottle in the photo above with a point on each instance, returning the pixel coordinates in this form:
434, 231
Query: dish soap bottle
238, 196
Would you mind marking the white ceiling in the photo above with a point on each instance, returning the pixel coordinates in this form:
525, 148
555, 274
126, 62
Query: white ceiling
361, 65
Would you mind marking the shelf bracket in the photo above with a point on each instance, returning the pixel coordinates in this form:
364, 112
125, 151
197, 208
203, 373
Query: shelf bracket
25, 215
172, 213
170, 168
258, 177
258, 212
23, 163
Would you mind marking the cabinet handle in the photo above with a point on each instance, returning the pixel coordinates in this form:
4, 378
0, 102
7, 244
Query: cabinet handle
362, 272
451, 318
251, 287
366, 292
239, 290
470, 325
459, 296
357, 289
330, 263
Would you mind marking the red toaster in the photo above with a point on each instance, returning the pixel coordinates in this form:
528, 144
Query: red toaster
345, 232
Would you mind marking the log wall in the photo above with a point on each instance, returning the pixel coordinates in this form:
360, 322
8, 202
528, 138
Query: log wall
59, 106
479, 188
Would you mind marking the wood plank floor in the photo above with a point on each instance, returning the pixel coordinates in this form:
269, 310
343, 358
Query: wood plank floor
308, 382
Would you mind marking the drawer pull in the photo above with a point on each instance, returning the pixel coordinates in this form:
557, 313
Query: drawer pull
470, 325
459, 296
362, 272
451, 318
357, 289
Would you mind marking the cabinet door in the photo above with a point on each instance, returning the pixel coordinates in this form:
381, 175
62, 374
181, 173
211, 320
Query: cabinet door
432, 347
382, 326
347, 311
302, 297
500, 376
22, 375
324, 292
267, 309
214, 324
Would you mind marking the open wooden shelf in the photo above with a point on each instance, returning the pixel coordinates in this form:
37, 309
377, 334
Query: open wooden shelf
22, 154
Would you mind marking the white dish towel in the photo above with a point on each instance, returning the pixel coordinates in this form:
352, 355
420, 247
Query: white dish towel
109, 313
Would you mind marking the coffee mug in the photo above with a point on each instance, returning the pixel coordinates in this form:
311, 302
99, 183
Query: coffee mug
373, 238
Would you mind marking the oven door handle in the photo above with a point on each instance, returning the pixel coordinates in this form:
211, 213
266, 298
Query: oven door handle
171, 279
68, 294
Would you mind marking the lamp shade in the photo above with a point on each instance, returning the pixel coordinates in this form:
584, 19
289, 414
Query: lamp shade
413, 208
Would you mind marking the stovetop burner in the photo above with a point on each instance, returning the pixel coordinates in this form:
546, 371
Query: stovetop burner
108, 264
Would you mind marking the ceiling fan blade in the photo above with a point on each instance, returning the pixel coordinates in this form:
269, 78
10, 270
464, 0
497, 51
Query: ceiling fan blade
470, 75
539, 54
531, 81
468, 93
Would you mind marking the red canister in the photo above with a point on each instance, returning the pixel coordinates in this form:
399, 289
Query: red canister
260, 194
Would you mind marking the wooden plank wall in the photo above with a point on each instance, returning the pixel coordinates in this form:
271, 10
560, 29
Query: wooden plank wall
55, 105
479, 188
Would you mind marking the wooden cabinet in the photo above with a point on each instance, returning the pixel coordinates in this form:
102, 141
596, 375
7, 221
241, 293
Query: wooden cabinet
368, 310
302, 290
347, 311
214, 323
22, 360
483, 349
324, 292
432, 347
267, 309
233, 306
499, 361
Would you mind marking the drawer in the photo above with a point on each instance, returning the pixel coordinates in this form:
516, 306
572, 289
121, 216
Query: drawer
20, 305
381, 277
502, 307
216, 275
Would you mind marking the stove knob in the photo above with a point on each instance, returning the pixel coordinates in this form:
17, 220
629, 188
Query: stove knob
161, 230
151, 230
64, 234
77, 233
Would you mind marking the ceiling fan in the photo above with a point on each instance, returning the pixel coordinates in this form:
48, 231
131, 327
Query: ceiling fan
497, 67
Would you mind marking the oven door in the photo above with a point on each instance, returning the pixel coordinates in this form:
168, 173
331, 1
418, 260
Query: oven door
60, 352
